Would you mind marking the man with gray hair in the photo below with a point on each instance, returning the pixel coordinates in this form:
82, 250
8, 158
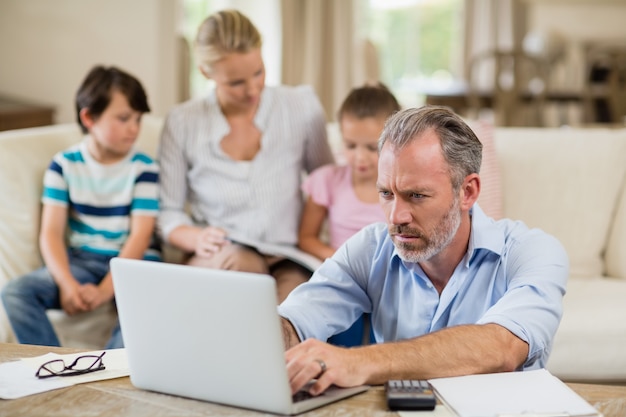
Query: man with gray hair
450, 291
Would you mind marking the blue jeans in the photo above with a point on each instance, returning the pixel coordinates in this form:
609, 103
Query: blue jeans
27, 298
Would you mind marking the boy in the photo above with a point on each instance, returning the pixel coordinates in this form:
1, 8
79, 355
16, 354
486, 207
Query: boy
100, 200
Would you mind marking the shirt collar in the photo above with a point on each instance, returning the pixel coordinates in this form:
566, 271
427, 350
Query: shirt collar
485, 233
262, 116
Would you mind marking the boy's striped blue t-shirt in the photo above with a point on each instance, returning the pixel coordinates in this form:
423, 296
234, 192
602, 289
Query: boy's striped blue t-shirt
102, 198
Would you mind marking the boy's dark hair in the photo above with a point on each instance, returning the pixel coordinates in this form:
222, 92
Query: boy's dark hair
94, 94
369, 101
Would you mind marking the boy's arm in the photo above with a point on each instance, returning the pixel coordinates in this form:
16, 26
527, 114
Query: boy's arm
141, 232
54, 252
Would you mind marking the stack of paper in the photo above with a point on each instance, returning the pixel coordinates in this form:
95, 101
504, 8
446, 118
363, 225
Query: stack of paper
511, 394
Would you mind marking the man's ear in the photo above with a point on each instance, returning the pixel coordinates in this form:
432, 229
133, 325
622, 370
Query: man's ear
86, 118
470, 190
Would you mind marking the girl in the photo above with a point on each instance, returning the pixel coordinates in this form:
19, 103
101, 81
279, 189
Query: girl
346, 196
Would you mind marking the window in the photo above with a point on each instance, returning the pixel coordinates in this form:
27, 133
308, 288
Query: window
194, 12
419, 44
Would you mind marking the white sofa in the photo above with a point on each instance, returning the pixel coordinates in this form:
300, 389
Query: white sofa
569, 182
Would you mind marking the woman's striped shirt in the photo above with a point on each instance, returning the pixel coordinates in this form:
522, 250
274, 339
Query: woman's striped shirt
260, 199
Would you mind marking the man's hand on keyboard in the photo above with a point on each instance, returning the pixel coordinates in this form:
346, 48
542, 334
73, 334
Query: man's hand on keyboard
324, 363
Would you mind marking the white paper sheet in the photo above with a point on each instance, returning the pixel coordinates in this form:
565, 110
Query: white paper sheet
511, 394
439, 411
17, 378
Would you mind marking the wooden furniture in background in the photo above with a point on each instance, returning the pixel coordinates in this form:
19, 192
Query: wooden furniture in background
521, 89
518, 87
119, 398
605, 89
458, 99
18, 114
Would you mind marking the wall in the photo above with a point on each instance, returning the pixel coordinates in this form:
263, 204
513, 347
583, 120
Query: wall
580, 19
48, 46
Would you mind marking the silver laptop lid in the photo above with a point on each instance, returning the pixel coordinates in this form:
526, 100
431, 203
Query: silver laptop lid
201, 333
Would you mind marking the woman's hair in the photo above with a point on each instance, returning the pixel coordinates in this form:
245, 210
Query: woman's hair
94, 93
369, 101
222, 33
461, 148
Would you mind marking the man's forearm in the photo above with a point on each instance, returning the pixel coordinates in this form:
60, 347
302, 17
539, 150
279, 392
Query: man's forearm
460, 350
290, 337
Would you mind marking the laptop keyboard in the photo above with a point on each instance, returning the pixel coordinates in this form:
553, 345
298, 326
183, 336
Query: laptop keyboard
304, 394
301, 396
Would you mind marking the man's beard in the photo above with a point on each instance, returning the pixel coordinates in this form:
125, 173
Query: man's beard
429, 244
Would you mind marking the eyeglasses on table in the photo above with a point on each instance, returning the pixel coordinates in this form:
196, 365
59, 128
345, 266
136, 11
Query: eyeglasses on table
81, 365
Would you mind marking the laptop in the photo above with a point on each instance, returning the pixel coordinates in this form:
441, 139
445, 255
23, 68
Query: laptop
207, 334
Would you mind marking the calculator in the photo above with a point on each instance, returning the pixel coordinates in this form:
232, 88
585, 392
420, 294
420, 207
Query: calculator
413, 394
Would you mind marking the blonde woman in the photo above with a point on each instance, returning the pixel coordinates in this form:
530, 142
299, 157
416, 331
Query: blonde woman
235, 158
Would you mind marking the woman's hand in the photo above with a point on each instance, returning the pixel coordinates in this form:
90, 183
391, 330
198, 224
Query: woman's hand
209, 241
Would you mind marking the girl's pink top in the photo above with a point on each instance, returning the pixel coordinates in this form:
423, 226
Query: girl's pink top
330, 186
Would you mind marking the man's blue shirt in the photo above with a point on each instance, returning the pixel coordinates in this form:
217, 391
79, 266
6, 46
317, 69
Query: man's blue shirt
511, 275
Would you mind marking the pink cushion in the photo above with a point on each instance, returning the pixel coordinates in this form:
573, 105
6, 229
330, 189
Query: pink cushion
490, 199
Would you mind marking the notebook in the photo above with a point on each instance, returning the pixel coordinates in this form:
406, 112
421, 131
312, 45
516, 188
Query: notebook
207, 334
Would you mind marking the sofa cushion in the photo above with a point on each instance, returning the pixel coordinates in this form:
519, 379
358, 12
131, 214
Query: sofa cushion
589, 344
25, 155
552, 177
89, 331
616, 248
24, 158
